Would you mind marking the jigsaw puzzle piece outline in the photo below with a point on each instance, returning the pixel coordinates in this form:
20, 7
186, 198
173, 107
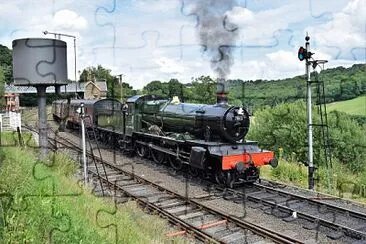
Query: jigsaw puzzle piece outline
54, 196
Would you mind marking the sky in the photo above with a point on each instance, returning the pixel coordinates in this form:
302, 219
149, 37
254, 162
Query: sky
148, 40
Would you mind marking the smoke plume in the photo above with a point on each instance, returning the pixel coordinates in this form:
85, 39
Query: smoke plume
217, 35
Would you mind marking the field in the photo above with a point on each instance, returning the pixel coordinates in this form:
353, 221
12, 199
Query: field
356, 106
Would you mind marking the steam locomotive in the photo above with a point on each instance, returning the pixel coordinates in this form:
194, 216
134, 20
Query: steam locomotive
206, 139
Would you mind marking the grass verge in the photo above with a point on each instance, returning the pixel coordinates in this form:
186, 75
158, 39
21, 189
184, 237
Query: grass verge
42, 203
346, 184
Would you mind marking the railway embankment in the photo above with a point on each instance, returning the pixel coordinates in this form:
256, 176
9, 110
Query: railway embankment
44, 202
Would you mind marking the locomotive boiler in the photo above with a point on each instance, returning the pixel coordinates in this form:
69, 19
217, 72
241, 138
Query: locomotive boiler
219, 122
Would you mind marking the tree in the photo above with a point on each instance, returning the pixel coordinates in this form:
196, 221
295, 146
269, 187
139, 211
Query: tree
6, 62
2, 84
363, 86
348, 141
285, 126
203, 90
99, 73
175, 88
157, 88
127, 90
339, 84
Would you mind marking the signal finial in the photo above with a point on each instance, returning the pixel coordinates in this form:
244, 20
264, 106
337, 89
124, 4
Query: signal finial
307, 37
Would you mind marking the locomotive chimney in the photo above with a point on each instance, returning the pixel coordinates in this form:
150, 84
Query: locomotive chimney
221, 91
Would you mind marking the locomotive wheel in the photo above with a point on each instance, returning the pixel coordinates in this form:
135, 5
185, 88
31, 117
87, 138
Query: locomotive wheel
220, 177
176, 163
111, 140
194, 172
230, 179
103, 137
97, 135
141, 150
122, 145
157, 156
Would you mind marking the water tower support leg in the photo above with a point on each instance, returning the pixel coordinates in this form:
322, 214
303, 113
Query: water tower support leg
42, 116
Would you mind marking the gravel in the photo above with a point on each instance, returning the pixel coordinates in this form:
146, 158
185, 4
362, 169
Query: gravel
328, 199
177, 182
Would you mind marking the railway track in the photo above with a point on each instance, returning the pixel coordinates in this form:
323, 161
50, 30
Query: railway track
339, 219
191, 216
333, 216
315, 211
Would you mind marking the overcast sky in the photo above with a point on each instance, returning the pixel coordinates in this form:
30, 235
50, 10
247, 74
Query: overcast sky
159, 39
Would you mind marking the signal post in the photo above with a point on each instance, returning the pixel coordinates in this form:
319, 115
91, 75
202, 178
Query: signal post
305, 54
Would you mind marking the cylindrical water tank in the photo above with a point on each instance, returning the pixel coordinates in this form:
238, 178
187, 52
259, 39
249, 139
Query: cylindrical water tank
39, 61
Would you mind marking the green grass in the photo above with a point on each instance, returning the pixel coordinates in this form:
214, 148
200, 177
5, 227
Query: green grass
346, 184
31, 211
356, 106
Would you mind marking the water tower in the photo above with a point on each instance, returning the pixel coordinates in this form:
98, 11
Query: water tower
40, 62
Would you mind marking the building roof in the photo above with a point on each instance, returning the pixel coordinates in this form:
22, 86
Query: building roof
69, 88
102, 85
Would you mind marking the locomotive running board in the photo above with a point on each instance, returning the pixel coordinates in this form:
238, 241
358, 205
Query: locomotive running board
160, 149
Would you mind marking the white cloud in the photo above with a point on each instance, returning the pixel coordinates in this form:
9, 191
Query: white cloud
275, 65
9, 12
281, 64
154, 6
169, 66
257, 28
241, 16
68, 19
346, 30
284, 61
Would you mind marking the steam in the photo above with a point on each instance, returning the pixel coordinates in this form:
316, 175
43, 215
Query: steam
217, 35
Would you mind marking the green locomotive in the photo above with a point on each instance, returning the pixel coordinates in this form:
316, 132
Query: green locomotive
206, 139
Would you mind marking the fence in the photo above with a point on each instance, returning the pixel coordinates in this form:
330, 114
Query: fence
10, 121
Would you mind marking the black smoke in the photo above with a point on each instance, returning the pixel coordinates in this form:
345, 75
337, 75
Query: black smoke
217, 34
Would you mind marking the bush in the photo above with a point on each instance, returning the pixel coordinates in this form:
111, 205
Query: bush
285, 126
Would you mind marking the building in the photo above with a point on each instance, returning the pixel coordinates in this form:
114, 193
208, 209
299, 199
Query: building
11, 102
95, 90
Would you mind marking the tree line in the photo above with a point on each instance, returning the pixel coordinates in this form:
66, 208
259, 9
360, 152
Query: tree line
339, 84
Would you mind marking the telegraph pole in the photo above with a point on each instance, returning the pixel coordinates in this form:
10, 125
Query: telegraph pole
120, 79
58, 35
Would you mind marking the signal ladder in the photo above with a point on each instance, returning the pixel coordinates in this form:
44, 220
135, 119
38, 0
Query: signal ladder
323, 125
